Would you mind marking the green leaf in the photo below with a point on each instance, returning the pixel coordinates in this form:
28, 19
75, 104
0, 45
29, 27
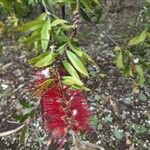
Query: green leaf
33, 113
31, 26
47, 60
70, 69
67, 27
85, 55
69, 80
80, 87
117, 48
85, 15
5, 4
45, 35
64, 1
87, 5
119, 60
81, 53
57, 22
25, 117
25, 104
24, 135
61, 49
128, 69
138, 39
17, 117
37, 58
96, 1
75, 49
77, 63
32, 38
42, 16
60, 36
140, 72
37, 46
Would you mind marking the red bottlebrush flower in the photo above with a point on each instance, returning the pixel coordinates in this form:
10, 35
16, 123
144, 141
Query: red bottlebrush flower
64, 109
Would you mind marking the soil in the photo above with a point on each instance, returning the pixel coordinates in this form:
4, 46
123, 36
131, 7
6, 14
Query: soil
121, 109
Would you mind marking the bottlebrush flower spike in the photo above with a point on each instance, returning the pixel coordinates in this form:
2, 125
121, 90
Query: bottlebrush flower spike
64, 109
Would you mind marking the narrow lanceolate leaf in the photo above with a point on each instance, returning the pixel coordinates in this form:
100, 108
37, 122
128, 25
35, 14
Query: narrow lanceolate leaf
117, 48
25, 104
67, 27
119, 60
47, 60
86, 56
68, 80
37, 58
77, 63
80, 87
61, 49
87, 5
140, 72
75, 49
138, 39
45, 35
57, 22
24, 135
42, 16
96, 1
31, 26
81, 53
70, 69
33, 38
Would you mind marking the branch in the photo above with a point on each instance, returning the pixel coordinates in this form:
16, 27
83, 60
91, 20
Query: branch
63, 10
11, 131
77, 5
45, 8
91, 21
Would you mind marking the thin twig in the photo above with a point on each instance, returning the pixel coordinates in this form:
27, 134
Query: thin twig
107, 36
77, 5
99, 29
63, 11
11, 131
45, 7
